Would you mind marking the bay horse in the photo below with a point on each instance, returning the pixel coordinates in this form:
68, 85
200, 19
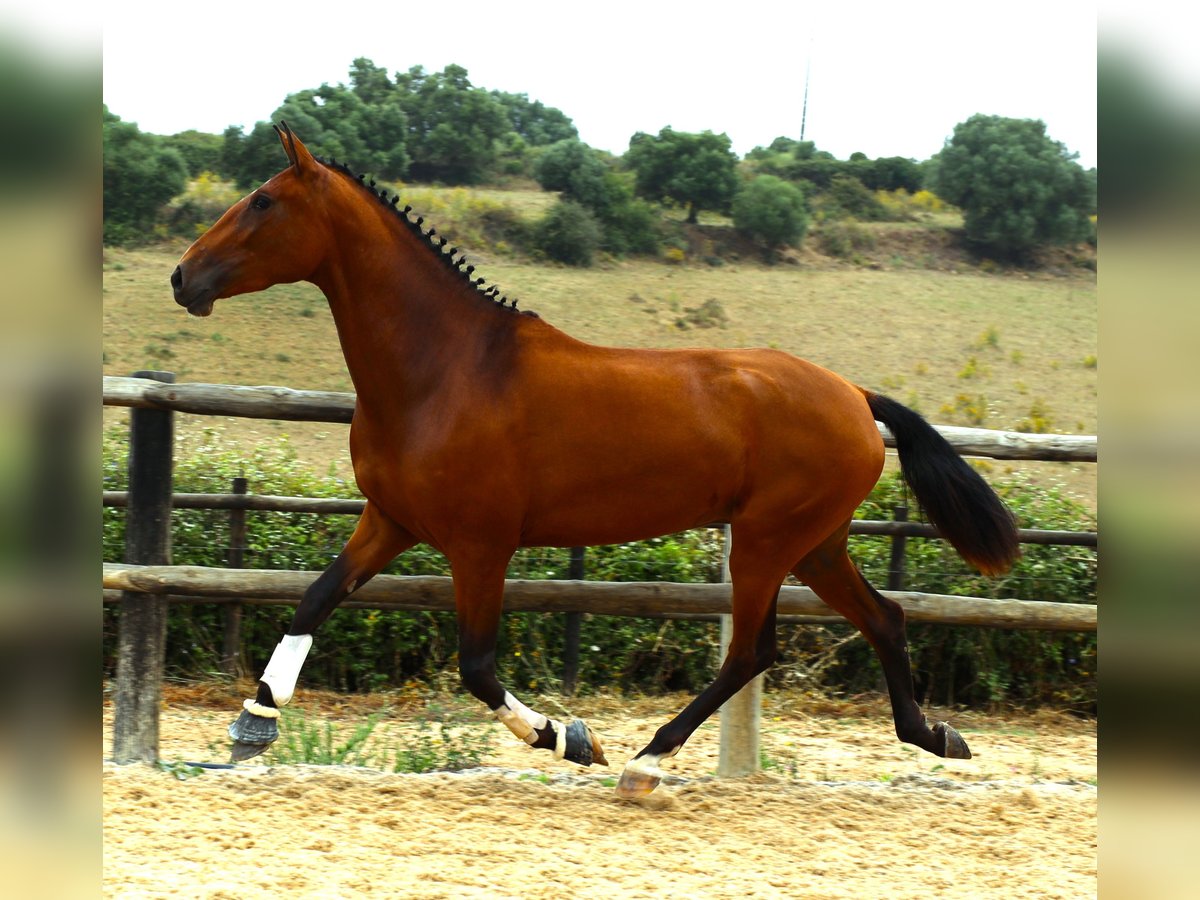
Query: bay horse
480, 428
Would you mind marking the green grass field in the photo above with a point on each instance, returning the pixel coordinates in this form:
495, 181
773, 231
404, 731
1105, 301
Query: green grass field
961, 342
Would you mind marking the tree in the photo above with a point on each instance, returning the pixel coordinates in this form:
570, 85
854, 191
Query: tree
201, 151
453, 127
250, 159
140, 175
694, 170
1018, 189
771, 210
583, 175
538, 124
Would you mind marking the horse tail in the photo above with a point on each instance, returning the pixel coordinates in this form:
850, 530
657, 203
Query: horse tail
959, 503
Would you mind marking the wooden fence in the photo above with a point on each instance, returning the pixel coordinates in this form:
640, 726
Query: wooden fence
146, 582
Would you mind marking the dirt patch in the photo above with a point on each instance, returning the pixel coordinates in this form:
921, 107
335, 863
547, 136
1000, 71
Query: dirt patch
842, 810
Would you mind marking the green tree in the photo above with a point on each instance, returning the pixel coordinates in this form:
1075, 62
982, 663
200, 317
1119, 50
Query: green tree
771, 210
698, 171
141, 174
577, 171
539, 125
1018, 189
250, 159
201, 151
453, 127
583, 175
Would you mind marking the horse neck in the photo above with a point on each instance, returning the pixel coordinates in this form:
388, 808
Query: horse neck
407, 322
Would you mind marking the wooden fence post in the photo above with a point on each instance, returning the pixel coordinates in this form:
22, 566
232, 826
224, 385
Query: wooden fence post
739, 754
572, 626
142, 629
231, 645
895, 579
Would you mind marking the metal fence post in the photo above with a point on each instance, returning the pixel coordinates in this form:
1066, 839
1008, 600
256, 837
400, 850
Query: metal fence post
142, 629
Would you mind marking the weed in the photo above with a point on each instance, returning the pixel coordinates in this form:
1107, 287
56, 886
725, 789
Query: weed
989, 337
452, 743
181, 770
304, 742
1089, 361
1016, 357
972, 369
709, 314
972, 409
1038, 420
282, 357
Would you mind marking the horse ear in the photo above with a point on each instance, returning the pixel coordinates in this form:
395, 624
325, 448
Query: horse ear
297, 153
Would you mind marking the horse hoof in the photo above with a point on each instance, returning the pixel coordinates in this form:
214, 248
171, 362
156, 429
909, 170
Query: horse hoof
583, 747
635, 785
953, 745
241, 751
252, 735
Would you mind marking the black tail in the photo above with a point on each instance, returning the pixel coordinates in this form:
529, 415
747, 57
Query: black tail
955, 498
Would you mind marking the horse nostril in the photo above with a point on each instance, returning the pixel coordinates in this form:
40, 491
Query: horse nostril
177, 279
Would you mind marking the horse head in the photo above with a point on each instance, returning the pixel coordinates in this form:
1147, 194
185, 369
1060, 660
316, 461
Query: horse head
274, 235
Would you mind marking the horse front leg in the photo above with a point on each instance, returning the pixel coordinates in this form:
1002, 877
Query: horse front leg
479, 598
752, 649
375, 542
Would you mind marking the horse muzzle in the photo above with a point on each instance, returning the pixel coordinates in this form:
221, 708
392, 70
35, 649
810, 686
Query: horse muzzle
197, 298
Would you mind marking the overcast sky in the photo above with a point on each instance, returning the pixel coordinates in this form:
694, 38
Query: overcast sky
886, 79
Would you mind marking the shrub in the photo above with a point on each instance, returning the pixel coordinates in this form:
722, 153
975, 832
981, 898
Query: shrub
772, 211
843, 238
568, 233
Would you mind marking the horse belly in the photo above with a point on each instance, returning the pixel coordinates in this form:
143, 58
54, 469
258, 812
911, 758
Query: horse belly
616, 484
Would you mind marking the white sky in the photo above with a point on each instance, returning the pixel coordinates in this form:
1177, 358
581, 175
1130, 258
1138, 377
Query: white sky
887, 79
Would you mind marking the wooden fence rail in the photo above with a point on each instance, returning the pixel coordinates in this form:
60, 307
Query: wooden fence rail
334, 506
611, 598
271, 402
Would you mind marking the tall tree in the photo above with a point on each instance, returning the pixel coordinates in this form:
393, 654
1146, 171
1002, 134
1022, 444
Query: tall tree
698, 171
140, 174
453, 127
1018, 189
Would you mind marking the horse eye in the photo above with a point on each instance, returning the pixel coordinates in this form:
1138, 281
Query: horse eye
261, 201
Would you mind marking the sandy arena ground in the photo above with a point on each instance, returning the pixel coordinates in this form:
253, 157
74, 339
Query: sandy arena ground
843, 810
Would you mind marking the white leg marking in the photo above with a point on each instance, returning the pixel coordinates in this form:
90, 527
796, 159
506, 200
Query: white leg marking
648, 765
284, 668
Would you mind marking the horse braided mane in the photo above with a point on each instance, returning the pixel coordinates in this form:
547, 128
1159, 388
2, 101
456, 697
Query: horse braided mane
452, 257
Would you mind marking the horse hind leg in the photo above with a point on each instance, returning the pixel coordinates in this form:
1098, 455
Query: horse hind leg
829, 571
375, 542
479, 592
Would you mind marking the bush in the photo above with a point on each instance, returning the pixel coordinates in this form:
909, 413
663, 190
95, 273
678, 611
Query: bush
771, 210
568, 233
843, 238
